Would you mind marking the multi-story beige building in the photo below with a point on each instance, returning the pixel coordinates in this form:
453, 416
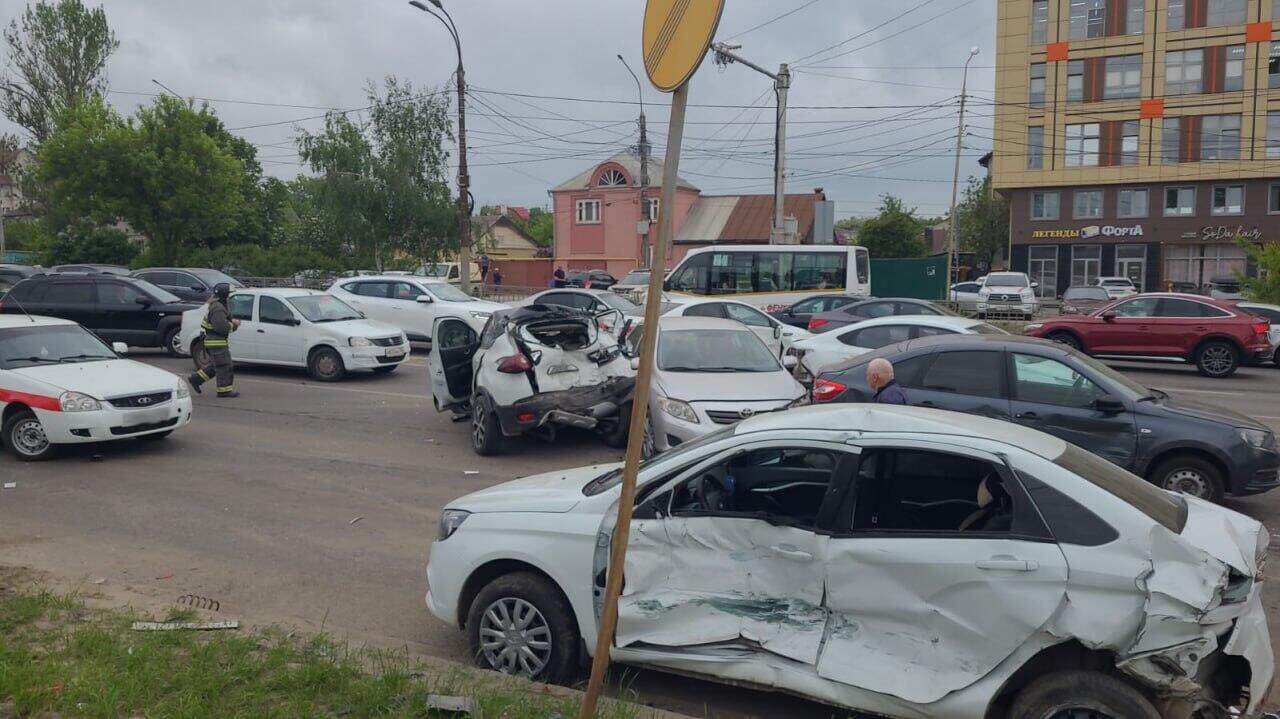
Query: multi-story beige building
1137, 137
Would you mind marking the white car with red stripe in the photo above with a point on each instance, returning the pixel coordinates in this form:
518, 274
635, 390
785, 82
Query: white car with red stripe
60, 384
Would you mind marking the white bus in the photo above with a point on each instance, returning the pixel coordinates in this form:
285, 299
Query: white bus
771, 277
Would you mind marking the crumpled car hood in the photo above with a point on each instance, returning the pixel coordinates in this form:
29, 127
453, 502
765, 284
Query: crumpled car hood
557, 492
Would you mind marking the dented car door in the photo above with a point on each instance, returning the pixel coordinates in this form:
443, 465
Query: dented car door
928, 590
713, 575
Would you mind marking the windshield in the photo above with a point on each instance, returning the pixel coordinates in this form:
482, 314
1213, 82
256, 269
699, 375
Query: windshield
323, 308
435, 269
1164, 507
983, 328
1117, 282
617, 302
448, 293
635, 277
1135, 390
1010, 280
660, 463
164, 296
213, 277
714, 351
50, 344
1086, 293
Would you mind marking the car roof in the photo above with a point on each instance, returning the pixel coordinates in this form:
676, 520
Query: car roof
7, 321
276, 291
1225, 304
915, 300
944, 321
874, 418
700, 323
393, 278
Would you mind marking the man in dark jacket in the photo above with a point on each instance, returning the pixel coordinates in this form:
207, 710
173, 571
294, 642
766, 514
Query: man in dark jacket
880, 379
557, 279
218, 326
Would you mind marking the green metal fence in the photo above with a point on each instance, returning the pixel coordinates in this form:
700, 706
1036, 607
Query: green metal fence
920, 277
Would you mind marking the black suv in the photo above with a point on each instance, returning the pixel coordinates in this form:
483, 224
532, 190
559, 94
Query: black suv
116, 308
193, 284
1176, 444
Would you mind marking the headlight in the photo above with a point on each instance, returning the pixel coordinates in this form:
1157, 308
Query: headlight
183, 391
450, 520
1032, 326
1258, 438
678, 409
77, 402
360, 342
481, 315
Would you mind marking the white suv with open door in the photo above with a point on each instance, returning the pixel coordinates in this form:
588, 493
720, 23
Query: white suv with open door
412, 303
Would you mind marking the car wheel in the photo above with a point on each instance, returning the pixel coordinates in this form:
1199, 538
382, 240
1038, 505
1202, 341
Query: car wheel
24, 436
325, 365
385, 370
486, 432
1066, 338
1217, 359
173, 343
617, 437
1189, 475
521, 624
200, 355
1081, 695
650, 446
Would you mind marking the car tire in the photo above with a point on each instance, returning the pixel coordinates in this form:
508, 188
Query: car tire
385, 370
200, 355
617, 437
325, 365
173, 342
549, 639
649, 447
486, 431
1092, 694
1189, 475
24, 437
1066, 338
1217, 359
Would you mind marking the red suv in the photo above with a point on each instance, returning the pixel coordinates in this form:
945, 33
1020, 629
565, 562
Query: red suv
1215, 336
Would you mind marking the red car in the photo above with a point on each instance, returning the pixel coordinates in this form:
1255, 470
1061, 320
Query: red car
1214, 335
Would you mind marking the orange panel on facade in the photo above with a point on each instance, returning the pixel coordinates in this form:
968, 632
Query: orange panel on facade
1258, 32
1152, 108
1055, 51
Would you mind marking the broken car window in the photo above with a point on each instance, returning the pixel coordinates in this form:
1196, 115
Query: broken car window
918, 491
784, 485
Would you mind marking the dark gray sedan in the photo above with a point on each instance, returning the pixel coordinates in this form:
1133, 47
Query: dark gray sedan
799, 314
1174, 443
871, 309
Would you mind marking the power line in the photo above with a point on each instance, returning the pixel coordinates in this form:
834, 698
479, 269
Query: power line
900, 32
864, 33
771, 21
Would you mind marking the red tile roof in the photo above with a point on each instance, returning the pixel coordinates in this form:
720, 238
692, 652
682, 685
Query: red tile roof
752, 218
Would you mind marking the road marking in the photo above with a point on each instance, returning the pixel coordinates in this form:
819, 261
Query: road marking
309, 385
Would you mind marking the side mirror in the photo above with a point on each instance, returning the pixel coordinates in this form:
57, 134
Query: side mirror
1109, 316
1108, 405
666, 285
144, 301
425, 299
1035, 285
635, 363
790, 361
120, 348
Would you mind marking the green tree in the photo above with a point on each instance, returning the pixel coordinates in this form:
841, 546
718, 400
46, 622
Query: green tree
87, 241
541, 226
1265, 287
83, 166
384, 182
58, 52
29, 235
983, 221
894, 232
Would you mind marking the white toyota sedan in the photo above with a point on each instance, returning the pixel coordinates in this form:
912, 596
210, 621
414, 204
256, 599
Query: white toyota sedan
412, 303
888, 560
302, 328
60, 384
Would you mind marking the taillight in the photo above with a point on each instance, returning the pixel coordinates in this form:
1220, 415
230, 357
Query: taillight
515, 364
1261, 328
815, 323
825, 390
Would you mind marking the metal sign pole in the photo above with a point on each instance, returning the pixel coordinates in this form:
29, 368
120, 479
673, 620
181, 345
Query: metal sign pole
639, 408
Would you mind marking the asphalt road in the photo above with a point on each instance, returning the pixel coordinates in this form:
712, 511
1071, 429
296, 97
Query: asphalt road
314, 505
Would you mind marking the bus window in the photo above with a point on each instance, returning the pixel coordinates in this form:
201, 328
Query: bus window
819, 270
862, 262
692, 277
773, 272
731, 273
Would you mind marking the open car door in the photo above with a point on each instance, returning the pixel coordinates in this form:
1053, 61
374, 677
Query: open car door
454, 345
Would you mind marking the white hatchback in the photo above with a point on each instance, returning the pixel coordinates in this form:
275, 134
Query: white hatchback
60, 384
412, 303
885, 559
302, 328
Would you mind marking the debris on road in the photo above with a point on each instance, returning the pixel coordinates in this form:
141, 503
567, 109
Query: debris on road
471, 471
167, 576
10, 485
193, 600
179, 626
100, 581
457, 705
357, 519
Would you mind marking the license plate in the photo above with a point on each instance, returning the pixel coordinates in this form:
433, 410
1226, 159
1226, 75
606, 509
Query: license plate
395, 352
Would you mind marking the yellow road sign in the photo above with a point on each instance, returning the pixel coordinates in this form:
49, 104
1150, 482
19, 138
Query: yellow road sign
677, 34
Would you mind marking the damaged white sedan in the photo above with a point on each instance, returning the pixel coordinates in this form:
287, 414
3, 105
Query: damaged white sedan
885, 559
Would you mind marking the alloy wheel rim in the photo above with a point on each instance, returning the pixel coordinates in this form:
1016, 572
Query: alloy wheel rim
175, 343
1217, 359
515, 638
477, 425
28, 437
1187, 481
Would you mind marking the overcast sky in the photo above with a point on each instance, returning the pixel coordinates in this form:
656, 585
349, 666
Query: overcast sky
320, 53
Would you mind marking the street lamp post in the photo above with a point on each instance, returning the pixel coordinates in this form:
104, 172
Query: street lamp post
645, 218
952, 256
464, 179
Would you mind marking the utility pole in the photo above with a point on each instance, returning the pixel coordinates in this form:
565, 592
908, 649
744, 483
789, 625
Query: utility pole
781, 84
953, 264
646, 219
464, 179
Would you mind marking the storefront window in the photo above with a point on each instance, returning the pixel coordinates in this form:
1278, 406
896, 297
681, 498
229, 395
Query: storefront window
1042, 267
1273, 199
1131, 262
1196, 264
1086, 264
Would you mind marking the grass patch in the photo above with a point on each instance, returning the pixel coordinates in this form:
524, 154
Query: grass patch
59, 657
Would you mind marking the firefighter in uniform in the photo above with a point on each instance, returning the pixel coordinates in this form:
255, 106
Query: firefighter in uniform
218, 326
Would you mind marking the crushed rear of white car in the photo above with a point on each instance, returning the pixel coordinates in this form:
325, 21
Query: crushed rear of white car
533, 370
